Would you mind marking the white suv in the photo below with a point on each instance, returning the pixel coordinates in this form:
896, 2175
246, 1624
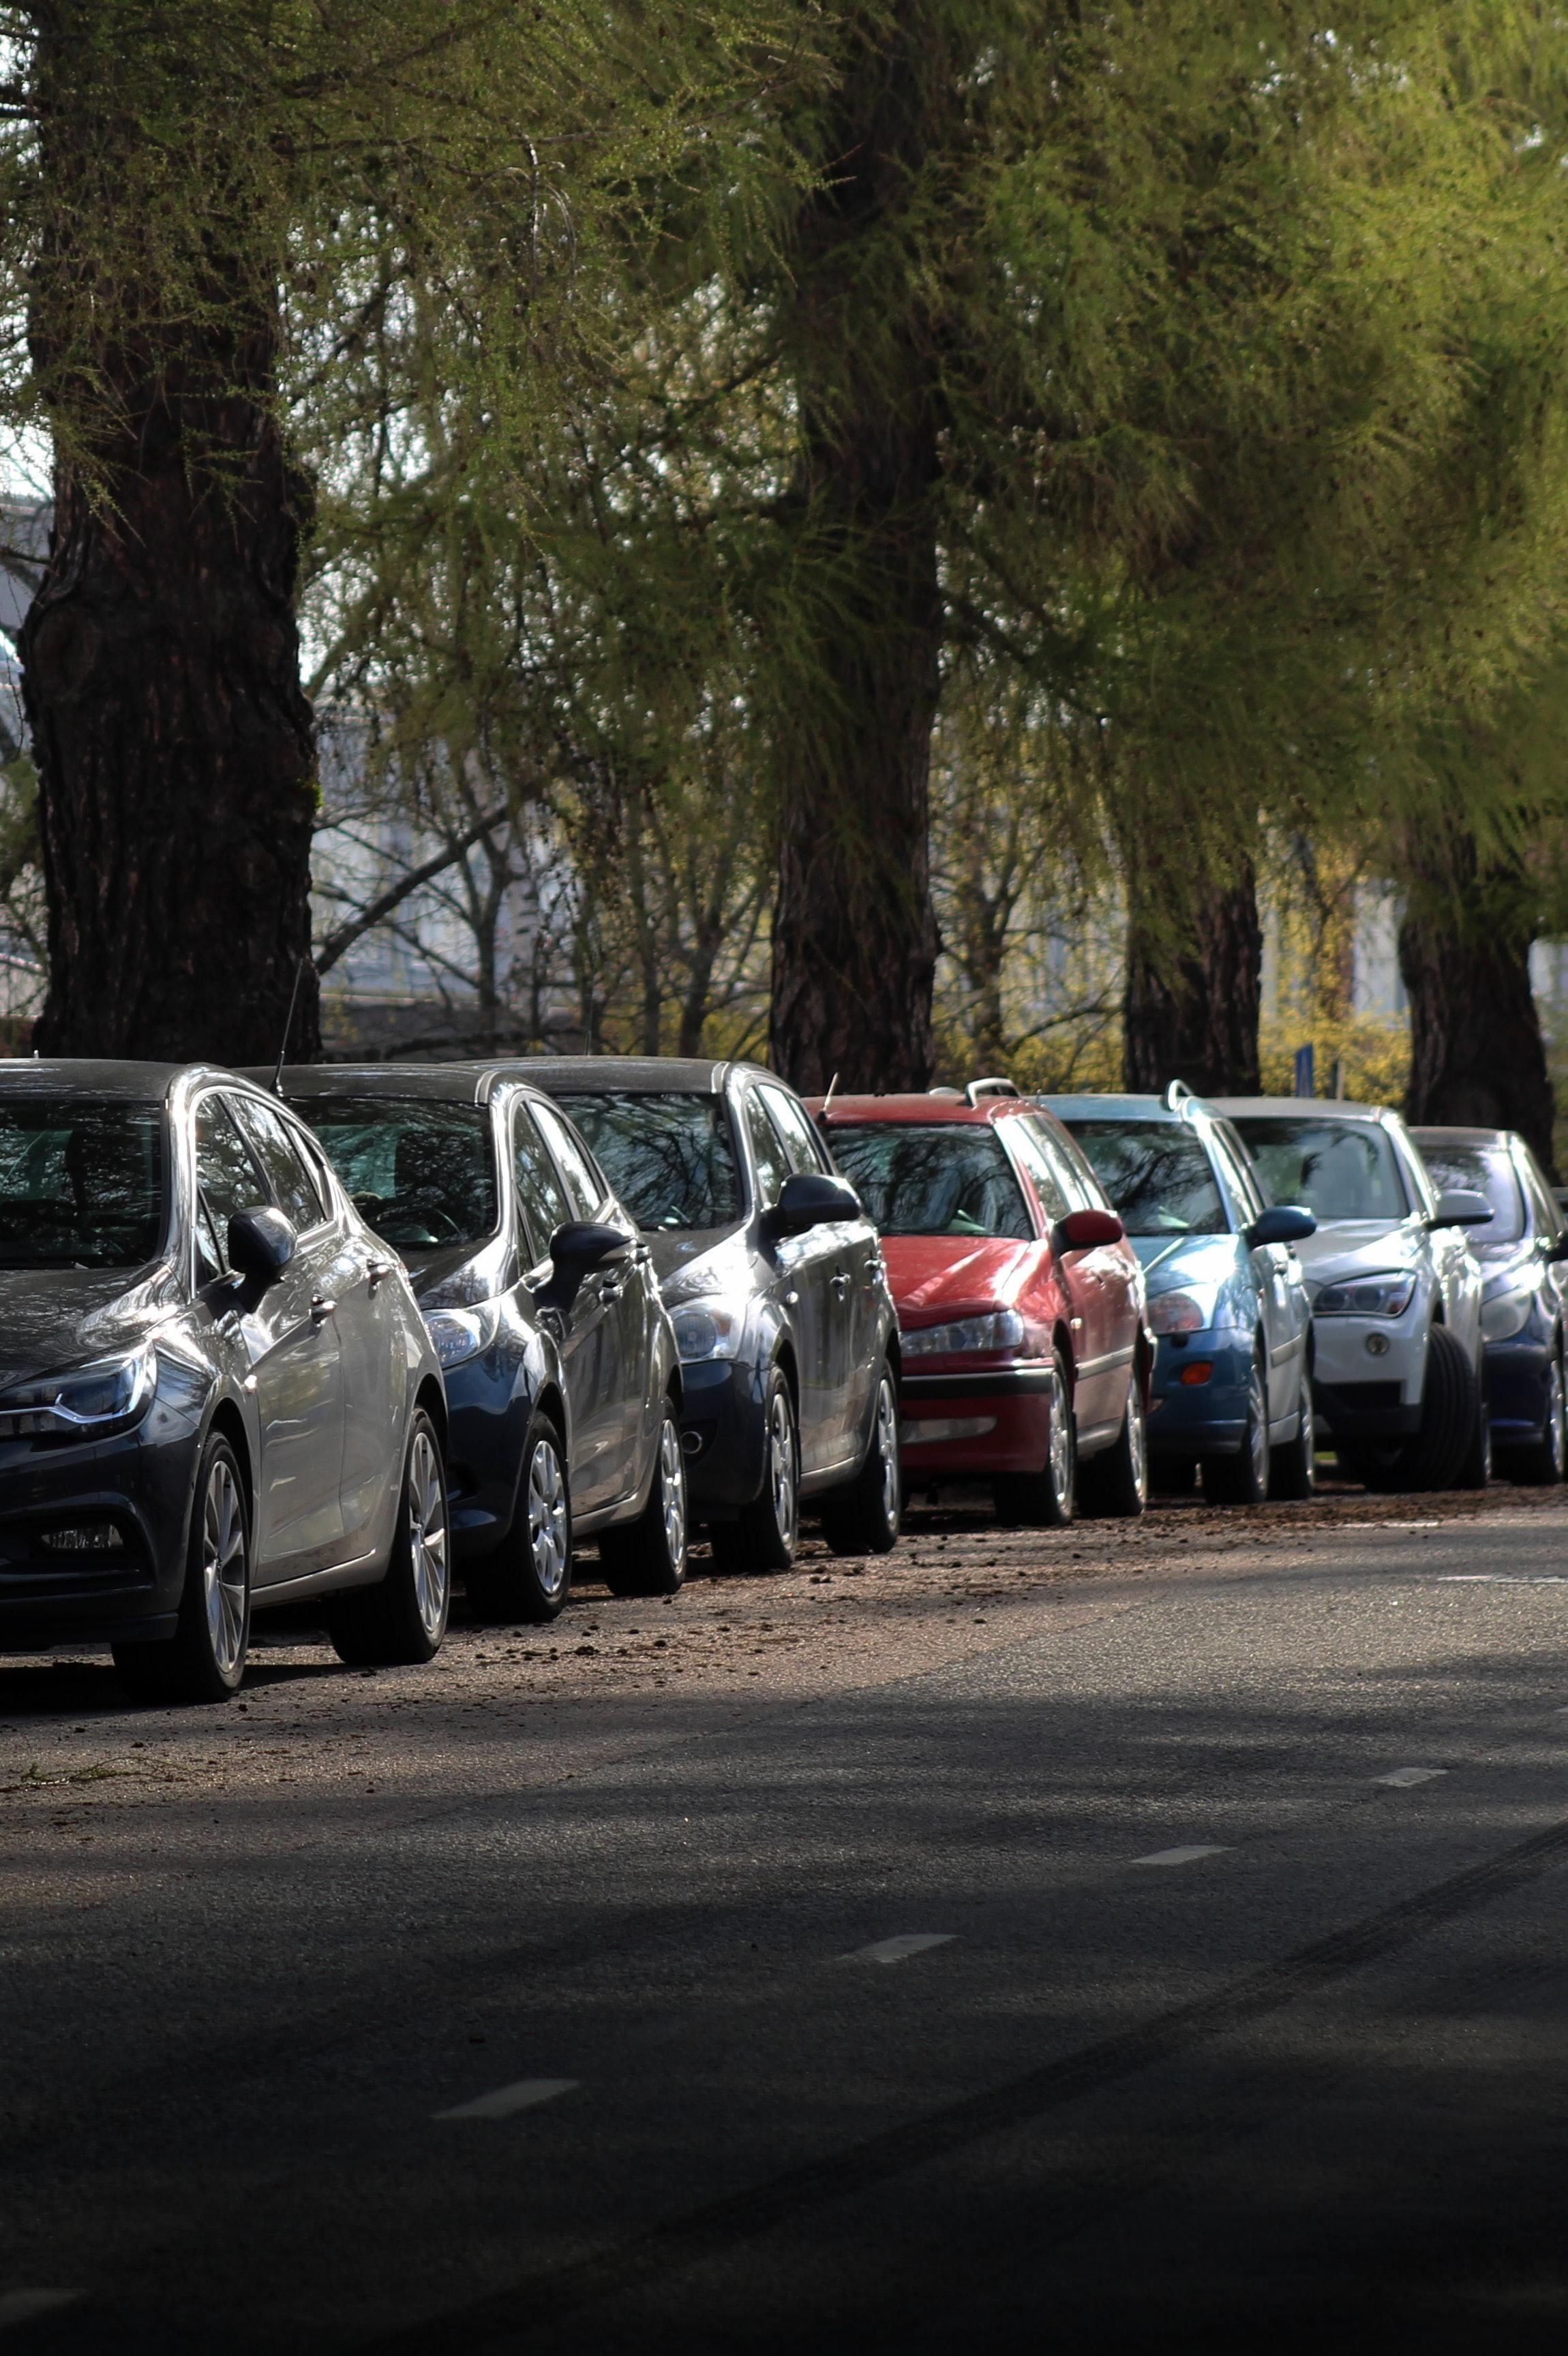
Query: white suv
1394, 1286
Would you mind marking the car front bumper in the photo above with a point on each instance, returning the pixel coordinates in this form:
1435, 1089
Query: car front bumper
139, 1484
1518, 1378
1200, 1418
724, 1433
488, 1414
972, 1426
1369, 1374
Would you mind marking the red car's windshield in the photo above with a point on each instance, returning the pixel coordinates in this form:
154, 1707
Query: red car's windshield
925, 1178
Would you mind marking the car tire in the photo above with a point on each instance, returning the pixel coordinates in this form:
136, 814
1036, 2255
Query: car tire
530, 1578
863, 1516
204, 1660
1475, 1470
1433, 1459
1046, 1499
1172, 1476
1544, 1464
1243, 1479
1115, 1486
648, 1556
400, 1622
1293, 1466
765, 1534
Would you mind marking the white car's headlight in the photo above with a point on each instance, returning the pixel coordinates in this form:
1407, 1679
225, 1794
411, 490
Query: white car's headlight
707, 1329
1388, 1294
1179, 1312
460, 1334
1002, 1330
1504, 1314
107, 1394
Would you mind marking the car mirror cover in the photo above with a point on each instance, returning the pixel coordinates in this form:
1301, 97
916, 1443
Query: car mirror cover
261, 1245
1460, 1207
810, 1199
1082, 1230
1282, 1223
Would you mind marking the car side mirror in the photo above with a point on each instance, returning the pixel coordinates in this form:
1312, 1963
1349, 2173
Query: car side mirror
1459, 1208
806, 1200
575, 1250
260, 1246
1285, 1223
1082, 1230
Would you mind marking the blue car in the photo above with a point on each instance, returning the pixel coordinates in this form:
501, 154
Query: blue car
1232, 1387
1524, 1293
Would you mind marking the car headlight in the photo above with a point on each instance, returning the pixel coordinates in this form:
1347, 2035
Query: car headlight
1002, 1330
107, 1394
707, 1329
1504, 1314
459, 1334
1179, 1313
1387, 1294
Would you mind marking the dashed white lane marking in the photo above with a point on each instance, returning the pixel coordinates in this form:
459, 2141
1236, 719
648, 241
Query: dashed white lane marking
1501, 1579
1390, 1525
1401, 1777
522, 2094
1187, 1855
894, 1951
21, 2306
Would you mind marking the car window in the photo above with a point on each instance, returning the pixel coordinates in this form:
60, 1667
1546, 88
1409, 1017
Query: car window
1336, 1169
228, 1179
1056, 1200
1546, 1215
1231, 1155
1091, 1194
541, 1197
671, 1157
926, 1178
421, 1172
585, 1187
794, 1122
81, 1183
766, 1151
1156, 1174
1480, 1170
293, 1187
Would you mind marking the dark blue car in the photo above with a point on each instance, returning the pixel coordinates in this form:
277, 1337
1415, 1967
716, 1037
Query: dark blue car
1524, 1293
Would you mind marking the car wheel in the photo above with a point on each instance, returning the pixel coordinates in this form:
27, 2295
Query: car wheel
1292, 1471
648, 1556
864, 1517
531, 1577
1433, 1458
763, 1535
1243, 1479
1475, 1471
1544, 1464
1047, 1499
204, 1658
1116, 1486
399, 1621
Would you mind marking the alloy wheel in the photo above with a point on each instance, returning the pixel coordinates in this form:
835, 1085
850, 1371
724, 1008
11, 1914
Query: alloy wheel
887, 1447
781, 1472
223, 1568
1557, 1421
1257, 1441
548, 1541
427, 1534
1060, 1440
1137, 1442
672, 1483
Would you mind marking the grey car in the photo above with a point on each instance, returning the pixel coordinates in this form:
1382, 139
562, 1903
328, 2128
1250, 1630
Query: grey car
775, 1280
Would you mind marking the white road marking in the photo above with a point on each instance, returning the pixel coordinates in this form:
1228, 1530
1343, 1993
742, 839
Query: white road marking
21, 2306
522, 2094
1401, 1777
1384, 1526
892, 1950
1188, 1855
1501, 1579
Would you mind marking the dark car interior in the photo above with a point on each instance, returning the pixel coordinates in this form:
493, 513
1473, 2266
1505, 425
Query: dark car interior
80, 1185
421, 1172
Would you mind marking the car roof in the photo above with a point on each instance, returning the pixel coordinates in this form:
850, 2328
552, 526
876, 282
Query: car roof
101, 1076
1129, 1107
1292, 1108
422, 1083
630, 1075
918, 1107
1444, 1136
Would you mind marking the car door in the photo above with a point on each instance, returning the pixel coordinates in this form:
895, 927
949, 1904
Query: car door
1101, 1377
1282, 1297
593, 1351
295, 1372
855, 1340
631, 1294
805, 1266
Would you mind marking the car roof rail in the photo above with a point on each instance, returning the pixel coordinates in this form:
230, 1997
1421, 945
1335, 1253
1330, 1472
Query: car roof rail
1178, 1094
954, 1096
995, 1085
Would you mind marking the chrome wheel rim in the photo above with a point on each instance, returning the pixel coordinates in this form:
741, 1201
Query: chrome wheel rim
1557, 1422
1257, 1431
224, 1583
427, 1532
1307, 1434
549, 1543
1060, 1437
1138, 1443
672, 1484
887, 1443
781, 1466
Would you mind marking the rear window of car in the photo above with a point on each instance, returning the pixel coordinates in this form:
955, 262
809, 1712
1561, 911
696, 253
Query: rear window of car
1480, 1170
81, 1183
670, 1158
1338, 1169
1156, 1174
421, 1173
925, 1178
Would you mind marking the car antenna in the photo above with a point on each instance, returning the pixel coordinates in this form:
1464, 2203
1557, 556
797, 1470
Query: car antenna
829, 1098
288, 1022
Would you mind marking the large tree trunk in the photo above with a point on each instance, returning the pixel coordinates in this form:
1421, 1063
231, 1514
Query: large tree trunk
161, 657
1191, 1000
1477, 1056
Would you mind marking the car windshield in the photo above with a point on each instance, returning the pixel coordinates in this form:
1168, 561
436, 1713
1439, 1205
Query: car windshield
1480, 1170
81, 1183
926, 1178
670, 1158
422, 1175
1338, 1169
1156, 1174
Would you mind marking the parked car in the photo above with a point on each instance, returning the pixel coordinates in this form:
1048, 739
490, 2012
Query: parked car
562, 1378
1524, 1292
1020, 1303
1232, 1383
1395, 1288
218, 1393
774, 1280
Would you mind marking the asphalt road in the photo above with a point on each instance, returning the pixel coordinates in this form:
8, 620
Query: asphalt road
1133, 1939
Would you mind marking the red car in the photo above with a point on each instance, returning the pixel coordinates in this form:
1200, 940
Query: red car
1025, 1360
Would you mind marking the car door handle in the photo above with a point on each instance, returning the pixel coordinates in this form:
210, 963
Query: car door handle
377, 1272
791, 1301
841, 1283
611, 1292
321, 1309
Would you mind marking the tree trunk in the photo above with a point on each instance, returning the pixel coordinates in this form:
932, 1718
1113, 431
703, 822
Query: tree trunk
1477, 1056
160, 657
1191, 1012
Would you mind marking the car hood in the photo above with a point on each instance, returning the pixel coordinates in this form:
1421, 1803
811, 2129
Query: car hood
54, 1317
935, 1275
1348, 1247
1169, 1261
456, 1276
692, 1261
